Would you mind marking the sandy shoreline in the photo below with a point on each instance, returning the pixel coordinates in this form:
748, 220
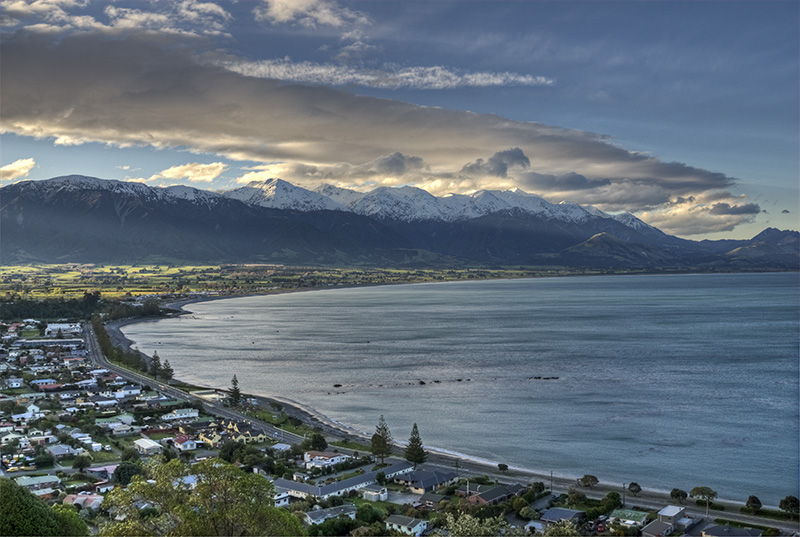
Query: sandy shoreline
437, 456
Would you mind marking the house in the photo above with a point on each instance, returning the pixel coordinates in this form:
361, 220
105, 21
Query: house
59, 451
406, 524
319, 459
657, 528
281, 498
127, 391
629, 517
13, 382
248, 435
38, 483
181, 414
82, 500
66, 329
718, 530
184, 443
431, 500
212, 439
102, 401
305, 490
676, 517
557, 514
319, 516
281, 447
145, 446
421, 481
495, 495
39, 382
375, 493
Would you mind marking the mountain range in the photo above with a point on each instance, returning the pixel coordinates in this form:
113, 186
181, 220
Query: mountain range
90, 220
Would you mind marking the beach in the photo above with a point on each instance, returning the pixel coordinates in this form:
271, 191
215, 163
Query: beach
340, 427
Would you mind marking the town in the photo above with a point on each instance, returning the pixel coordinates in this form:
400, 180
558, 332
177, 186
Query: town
82, 432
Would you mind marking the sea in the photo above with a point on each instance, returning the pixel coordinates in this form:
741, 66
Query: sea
671, 381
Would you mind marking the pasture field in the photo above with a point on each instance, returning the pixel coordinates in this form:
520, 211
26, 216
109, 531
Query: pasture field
37, 282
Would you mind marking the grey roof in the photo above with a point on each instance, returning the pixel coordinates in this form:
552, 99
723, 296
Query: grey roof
402, 520
496, 493
321, 515
428, 479
345, 484
657, 527
554, 514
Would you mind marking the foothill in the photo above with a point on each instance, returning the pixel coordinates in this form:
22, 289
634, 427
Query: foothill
100, 439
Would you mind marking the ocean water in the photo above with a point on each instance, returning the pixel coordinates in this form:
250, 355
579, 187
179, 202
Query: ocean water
667, 380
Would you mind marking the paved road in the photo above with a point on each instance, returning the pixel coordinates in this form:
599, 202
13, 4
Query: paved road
97, 357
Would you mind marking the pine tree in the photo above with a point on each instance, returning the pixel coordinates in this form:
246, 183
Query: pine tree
415, 453
235, 393
155, 365
381, 445
167, 371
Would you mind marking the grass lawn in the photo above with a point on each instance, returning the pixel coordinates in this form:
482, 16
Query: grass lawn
352, 445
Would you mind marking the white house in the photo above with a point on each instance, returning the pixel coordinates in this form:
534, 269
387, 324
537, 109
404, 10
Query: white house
145, 446
128, 391
184, 443
318, 459
13, 382
67, 329
406, 524
319, 516
181, 414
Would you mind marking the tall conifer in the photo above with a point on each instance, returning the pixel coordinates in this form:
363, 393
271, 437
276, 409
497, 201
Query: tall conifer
415, 453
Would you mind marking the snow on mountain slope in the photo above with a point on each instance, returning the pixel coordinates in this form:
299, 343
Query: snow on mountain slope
279, 194
405, 203
72, 183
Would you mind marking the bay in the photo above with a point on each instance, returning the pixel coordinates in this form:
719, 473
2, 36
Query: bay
667, 380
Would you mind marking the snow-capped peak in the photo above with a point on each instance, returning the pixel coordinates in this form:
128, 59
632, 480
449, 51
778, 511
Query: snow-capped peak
279, 194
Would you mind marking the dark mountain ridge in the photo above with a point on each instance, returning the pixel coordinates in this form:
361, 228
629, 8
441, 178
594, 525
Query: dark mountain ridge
89, 220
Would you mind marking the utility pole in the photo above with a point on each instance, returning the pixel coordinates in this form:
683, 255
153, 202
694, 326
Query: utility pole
623, 495
551, 481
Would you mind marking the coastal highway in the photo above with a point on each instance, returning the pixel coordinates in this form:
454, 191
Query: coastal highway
97, 357
645, 499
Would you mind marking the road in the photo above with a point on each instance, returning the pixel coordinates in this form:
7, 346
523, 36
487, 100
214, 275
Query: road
97, 358
645, 499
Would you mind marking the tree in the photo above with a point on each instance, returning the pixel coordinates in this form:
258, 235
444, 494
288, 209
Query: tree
125, 472
167, 372
155, 365
678, 494
791, 505
588, 481
753, 503
704, 493
562, 528
235, 393
224, 501
129, 454
575, 496
81, 463
634, 488
467, 526
317, 442
381, 444
69, 522
502, 467
415, 453
22, 513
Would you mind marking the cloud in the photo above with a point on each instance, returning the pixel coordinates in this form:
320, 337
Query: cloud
194, 172
728, 209
497, 165
152, 89
19, 169
695, 215
187, 17
308, 13
389, 77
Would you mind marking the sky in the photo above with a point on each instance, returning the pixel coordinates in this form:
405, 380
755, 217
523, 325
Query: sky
682, 113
